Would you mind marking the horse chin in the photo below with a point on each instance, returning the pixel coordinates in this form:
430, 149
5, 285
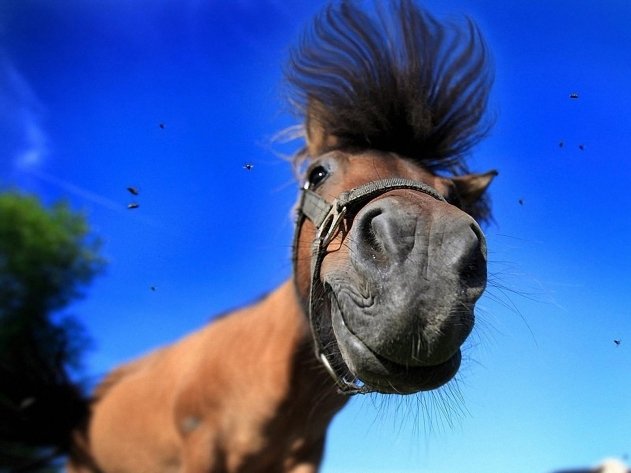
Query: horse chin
381, 374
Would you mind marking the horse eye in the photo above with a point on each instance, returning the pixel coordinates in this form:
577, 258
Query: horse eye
316, 176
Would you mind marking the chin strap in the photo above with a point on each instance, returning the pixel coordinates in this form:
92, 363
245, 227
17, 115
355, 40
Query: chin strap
328, 218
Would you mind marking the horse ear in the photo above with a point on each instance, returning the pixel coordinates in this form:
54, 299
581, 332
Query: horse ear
319, 139
470, 187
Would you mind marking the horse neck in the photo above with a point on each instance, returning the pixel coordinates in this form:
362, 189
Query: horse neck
290, 396
305, 392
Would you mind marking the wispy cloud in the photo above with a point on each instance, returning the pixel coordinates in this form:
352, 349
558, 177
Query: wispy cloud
25, 143
36, 145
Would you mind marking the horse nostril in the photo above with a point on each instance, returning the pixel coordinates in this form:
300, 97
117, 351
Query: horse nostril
367, 231
477, 231
472, 256
386, 232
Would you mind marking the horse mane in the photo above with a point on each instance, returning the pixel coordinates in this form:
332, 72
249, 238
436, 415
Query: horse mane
397, 81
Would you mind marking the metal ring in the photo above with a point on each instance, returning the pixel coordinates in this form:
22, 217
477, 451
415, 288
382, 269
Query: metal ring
331, 224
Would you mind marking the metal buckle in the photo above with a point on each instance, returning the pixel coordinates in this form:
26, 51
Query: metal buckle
331, 224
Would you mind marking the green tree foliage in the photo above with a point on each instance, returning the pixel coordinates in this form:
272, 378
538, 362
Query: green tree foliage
47, 257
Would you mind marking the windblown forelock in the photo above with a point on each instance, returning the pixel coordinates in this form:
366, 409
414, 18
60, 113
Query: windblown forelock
397, 81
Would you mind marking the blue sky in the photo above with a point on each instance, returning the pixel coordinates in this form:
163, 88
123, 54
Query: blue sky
84, 86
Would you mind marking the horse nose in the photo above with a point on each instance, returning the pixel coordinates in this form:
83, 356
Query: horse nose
439, 237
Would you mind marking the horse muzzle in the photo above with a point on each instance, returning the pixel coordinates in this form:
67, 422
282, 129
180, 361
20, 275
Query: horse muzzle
405, 304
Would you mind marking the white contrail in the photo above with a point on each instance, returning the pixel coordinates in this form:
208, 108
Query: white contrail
102, 201
78, 191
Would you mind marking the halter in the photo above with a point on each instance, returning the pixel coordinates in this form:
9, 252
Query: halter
327, 218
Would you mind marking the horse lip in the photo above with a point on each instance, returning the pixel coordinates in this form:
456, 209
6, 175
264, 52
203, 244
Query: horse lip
333, 345
386, 376
346, 301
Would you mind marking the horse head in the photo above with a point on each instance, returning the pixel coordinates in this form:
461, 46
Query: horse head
389, 255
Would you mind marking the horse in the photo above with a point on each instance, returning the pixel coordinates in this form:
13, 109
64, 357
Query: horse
389, 260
